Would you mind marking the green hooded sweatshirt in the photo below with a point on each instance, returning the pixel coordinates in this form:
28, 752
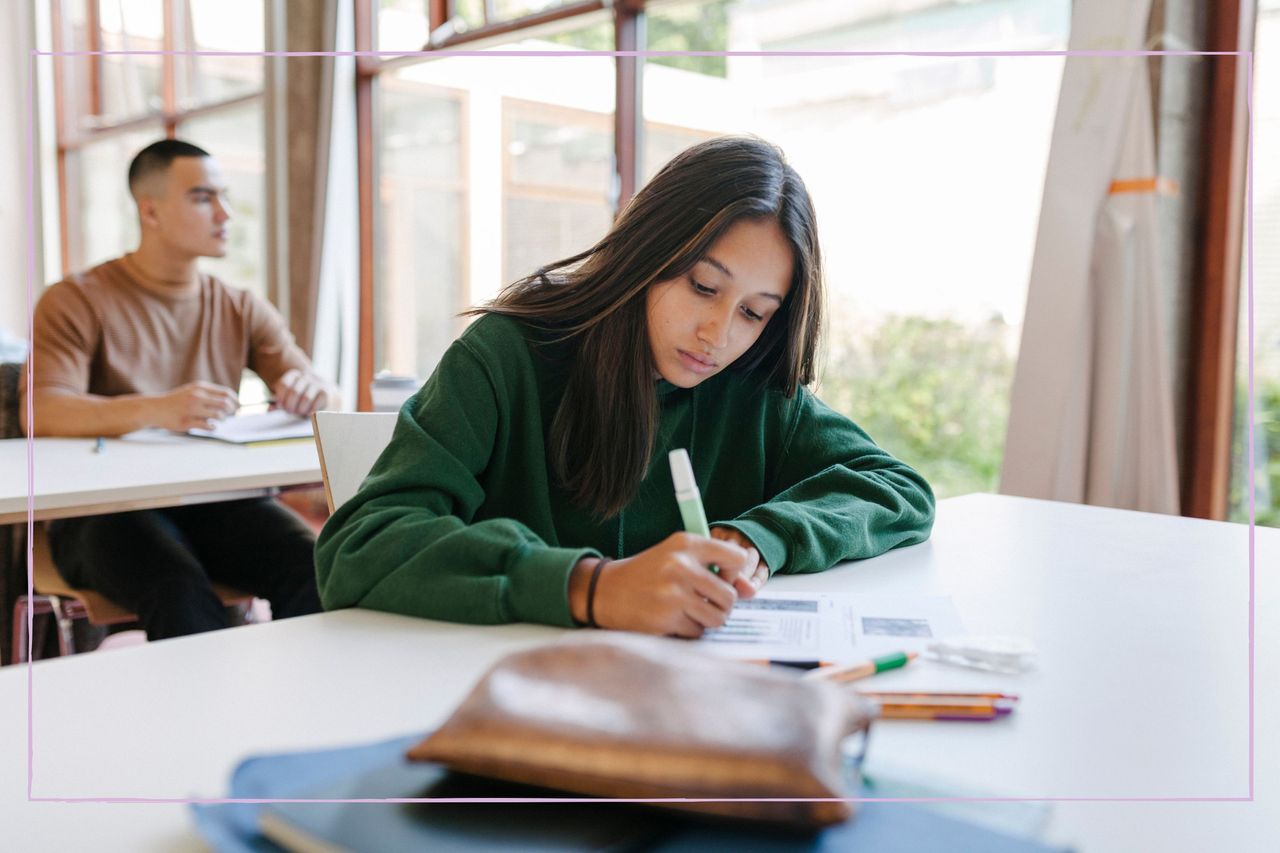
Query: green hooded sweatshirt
461, 519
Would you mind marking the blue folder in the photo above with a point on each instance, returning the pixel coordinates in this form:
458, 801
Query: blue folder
379, 770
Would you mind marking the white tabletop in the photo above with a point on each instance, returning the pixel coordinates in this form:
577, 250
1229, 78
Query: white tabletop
1142, 689
143, 470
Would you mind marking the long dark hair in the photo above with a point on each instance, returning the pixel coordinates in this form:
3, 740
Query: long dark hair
601, 438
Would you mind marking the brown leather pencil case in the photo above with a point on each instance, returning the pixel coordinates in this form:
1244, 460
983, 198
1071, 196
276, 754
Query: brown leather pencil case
632, 717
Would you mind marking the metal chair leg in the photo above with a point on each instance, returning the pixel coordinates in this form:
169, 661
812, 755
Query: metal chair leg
18, 653
39, 627
24, 608
66, 639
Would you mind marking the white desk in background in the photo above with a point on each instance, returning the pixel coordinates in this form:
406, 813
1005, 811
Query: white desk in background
144, 470
1142, 689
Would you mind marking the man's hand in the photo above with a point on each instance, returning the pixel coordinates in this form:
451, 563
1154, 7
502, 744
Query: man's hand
300, 393
729, 534
196, 405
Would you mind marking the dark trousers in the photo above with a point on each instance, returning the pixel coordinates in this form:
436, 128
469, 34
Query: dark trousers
159, 562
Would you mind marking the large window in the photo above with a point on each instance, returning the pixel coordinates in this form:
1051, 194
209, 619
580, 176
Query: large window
922, 343
486, 169
109, 106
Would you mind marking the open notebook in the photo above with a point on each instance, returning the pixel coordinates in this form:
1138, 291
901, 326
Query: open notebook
276, 425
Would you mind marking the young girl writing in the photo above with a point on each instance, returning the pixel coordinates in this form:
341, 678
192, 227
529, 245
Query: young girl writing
528, 479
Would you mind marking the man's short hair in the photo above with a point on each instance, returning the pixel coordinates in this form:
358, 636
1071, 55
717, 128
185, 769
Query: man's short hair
155, 159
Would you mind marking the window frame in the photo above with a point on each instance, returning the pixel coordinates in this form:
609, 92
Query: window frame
1207, 420
1209, 416
457, 185
628, 18
71, 140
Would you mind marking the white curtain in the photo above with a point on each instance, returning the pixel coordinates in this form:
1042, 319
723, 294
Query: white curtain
337, 303
17, 38
1091, 414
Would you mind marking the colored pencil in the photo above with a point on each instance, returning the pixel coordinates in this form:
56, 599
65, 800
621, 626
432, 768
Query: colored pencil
942, 706
855, 672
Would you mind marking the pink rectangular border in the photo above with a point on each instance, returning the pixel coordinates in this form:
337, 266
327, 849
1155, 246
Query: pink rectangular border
31, 267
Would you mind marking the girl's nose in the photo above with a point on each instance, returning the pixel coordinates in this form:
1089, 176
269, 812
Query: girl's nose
714, 331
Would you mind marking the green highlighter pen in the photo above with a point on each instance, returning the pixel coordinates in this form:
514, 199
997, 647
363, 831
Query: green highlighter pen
688, 498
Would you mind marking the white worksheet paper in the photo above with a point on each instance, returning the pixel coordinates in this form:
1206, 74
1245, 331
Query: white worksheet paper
832, 627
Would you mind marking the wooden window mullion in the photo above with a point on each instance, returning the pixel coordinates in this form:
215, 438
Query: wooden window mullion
168, 87
629, 99
93, 24
438, 11
365, 178
1216, 297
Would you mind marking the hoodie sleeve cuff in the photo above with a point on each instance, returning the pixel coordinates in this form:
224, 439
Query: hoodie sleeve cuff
538, 585
773, 546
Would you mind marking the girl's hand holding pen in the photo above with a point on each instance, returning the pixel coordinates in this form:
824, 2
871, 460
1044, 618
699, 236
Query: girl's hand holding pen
667, 589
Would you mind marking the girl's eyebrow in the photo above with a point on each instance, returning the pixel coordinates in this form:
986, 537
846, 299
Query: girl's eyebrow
718, 265
710, 260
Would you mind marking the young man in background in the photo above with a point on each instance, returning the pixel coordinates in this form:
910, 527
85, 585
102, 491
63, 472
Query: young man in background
147, 340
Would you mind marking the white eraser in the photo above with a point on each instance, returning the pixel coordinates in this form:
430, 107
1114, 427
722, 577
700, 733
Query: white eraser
994, 654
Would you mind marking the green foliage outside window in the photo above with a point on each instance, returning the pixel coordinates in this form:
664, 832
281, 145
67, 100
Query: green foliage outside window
693, 26
696, 26
1266, 430
934, 393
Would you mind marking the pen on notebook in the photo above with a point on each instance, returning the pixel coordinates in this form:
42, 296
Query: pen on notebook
99, 444
688, 497
864, 669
